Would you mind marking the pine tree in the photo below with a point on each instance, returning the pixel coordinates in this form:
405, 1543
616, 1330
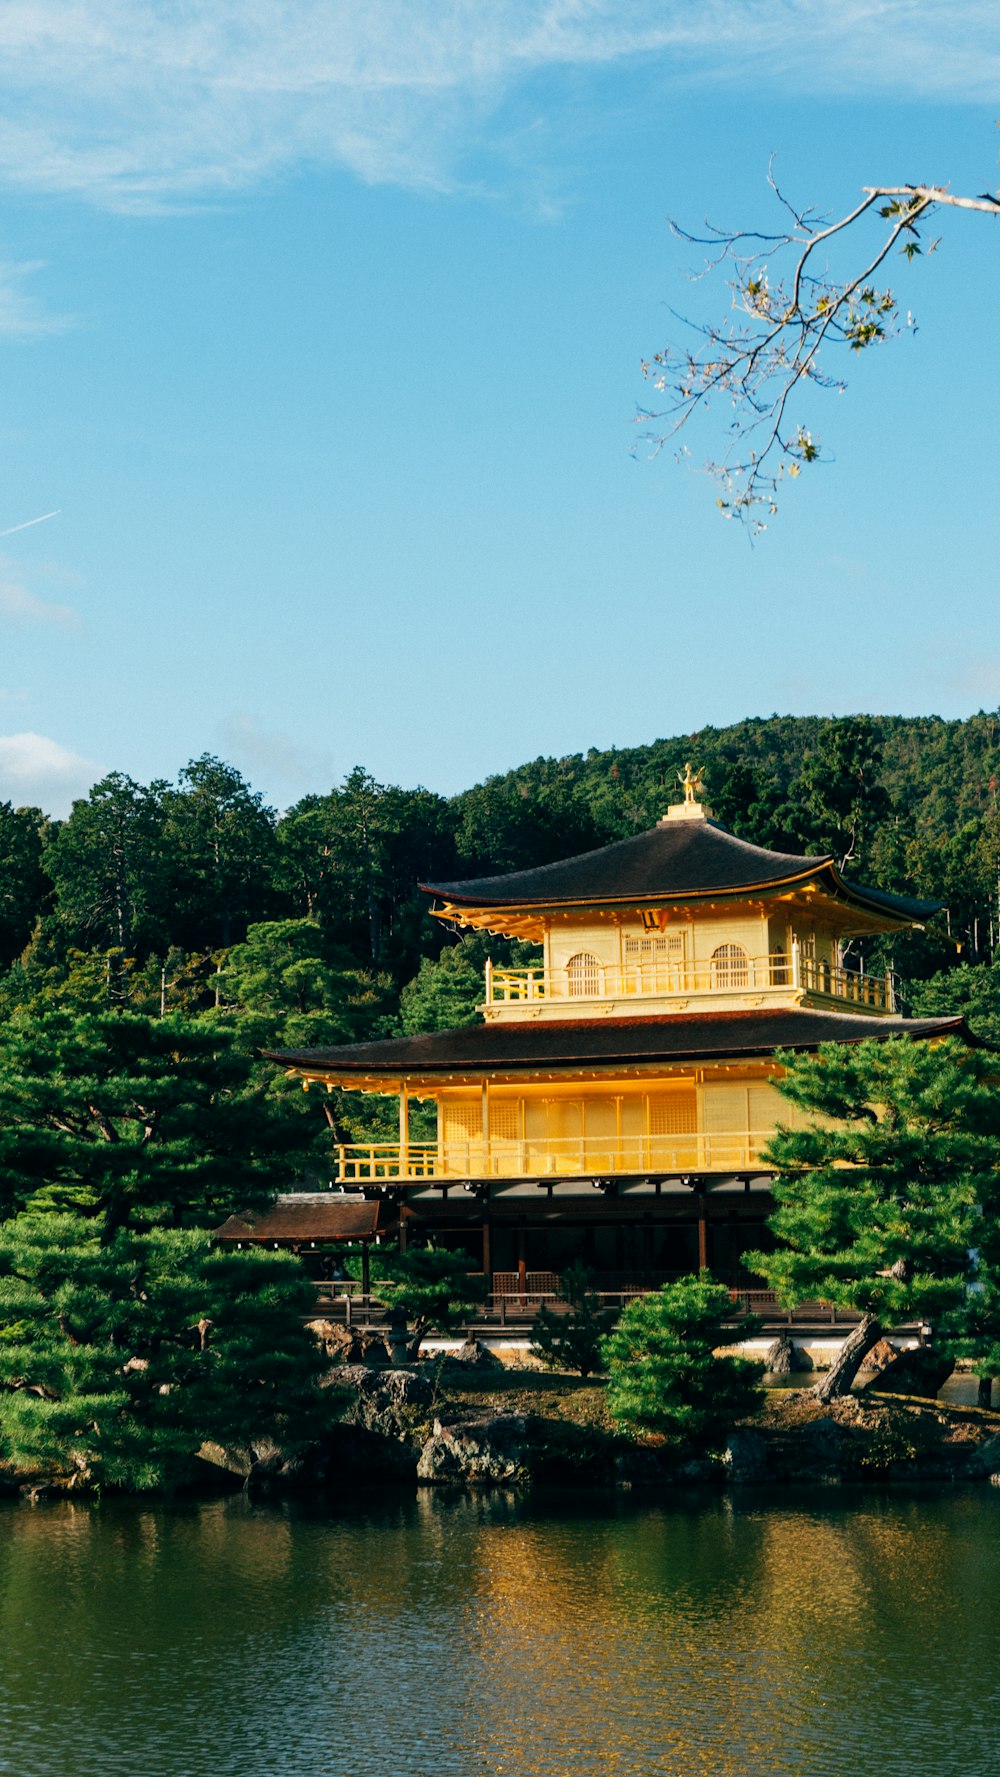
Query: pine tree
121, 1356
572, 1339
663, 1374
432, 1289
879, 1197
148, 1121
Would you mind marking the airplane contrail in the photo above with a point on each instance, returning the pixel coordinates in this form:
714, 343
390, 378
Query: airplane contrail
26, 526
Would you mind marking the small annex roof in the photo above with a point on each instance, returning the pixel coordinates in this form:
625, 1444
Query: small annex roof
605, 1042
302, 1216
673, 861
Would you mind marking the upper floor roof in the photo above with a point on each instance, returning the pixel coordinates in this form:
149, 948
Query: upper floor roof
691, 858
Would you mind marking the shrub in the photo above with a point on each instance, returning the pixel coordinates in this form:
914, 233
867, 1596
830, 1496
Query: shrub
571, 1340
664, 1376
431, 1289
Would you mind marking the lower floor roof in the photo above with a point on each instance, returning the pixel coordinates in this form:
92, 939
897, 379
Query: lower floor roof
572, 1043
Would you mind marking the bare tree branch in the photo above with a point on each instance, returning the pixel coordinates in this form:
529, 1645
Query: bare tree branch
779, 326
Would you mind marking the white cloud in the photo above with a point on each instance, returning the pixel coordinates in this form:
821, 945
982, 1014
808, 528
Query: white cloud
37, 771
19, 605
144, 103
288, 768
20, 313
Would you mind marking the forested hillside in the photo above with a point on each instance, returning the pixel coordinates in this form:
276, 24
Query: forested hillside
195, 898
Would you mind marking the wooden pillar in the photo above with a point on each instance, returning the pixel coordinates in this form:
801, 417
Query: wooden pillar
487, 1259
522, 1267
365, 1270
404, 1131
402, 1227
702, 1231
486, 1128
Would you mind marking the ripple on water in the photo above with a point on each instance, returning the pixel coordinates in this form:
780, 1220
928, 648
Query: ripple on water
427, 1637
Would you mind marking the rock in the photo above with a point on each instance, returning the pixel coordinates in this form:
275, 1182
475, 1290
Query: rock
473, 1355
230, 1458
880, 1356
783, 1357
350, 1456
986, 1460
386, 1401
697, 1469
477, 1452
920, 1371
35, 1491
351, 1345
745, 1457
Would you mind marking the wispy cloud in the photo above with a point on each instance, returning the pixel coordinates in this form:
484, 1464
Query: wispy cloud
21, 313
19, 605
149, 103
38, 772
288, 769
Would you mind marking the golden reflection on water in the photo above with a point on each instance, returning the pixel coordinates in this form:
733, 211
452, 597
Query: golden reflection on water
503, 1636
710, 1642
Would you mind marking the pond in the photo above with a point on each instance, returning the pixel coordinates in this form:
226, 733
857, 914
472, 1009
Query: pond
829, 1634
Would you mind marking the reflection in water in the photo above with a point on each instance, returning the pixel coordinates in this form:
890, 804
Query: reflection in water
849, 1635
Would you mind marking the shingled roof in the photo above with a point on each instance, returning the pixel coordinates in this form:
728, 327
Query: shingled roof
551, 1043
672, 861
302, 1216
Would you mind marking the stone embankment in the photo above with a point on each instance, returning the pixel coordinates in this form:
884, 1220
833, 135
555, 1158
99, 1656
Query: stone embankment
467, 1421
469, 1424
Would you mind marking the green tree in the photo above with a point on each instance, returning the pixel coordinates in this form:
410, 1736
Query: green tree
121, 1354
292, 988
353, 859
972, 989
841, 798
288, 987
431, 1289
24, 884
533, 816
663, 1374
447, 991
878, 1197
106, 862
147, 1121
220, 839
572, 1338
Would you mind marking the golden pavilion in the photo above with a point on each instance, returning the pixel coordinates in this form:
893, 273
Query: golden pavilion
613, 1104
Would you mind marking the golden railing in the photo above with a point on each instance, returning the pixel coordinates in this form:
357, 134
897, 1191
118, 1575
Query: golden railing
859, 989
586, 1156
505, 987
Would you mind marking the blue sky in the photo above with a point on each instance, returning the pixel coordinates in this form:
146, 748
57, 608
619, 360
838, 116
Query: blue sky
321, 326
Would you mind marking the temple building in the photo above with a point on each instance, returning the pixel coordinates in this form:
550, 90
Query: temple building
614, 1102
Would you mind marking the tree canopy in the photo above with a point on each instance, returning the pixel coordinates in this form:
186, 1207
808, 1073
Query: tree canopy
144, 1121
879, 1197
121, 1356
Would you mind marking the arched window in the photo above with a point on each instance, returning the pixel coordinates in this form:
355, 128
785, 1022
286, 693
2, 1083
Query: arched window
729, 966
583, 973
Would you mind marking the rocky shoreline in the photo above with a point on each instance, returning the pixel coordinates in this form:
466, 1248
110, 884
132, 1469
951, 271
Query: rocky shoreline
472, 1423
478, 1425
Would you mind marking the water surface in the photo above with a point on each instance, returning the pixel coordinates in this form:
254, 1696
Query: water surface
836, 1634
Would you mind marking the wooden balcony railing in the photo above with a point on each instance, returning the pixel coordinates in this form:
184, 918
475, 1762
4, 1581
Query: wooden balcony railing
662, 979
511, 1297
584, 1156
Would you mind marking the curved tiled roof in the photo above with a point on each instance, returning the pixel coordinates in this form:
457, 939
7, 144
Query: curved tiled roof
304, 1215
552, 1043
671, 861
